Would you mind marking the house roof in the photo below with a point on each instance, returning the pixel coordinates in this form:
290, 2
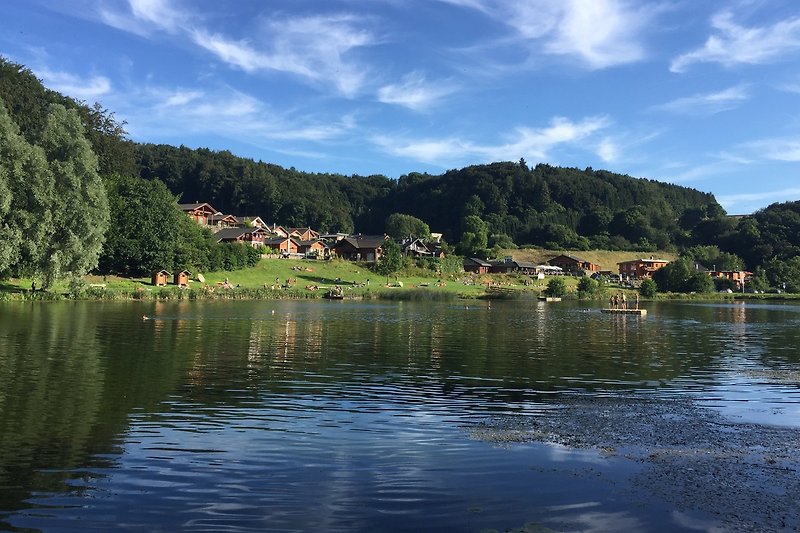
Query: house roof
235, 233
651, 260
476, 261
192, 207
312, 242
279, 240
220, 216
572, 257
362, 241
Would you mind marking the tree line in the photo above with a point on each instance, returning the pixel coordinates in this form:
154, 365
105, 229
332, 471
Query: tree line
76, 194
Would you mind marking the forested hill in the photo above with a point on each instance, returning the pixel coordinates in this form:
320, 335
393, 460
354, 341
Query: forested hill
564, 206
543, 205
478, 208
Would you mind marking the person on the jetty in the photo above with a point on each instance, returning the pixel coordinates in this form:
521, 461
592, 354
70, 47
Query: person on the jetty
637, 301
624, 300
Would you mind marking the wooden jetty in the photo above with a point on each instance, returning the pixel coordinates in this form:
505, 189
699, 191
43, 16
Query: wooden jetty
549, 298
639, 312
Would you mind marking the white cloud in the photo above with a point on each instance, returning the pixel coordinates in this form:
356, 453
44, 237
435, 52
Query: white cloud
75, 86
160, 113
730, 201
778, 149
608, 150
414, 92
144, 16
707, 104
531, 143
599, 33
314, 48
733, 44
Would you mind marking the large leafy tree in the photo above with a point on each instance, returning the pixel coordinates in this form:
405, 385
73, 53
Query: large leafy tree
399, 226
26, 197
147, 226
80, 206
391, 260
475, 238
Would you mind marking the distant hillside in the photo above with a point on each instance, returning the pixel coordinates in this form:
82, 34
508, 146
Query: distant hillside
546, 205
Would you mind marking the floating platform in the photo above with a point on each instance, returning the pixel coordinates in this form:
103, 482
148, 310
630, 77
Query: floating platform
639, 312
550, 298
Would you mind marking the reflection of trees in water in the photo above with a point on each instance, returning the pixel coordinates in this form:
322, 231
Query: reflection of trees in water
52, 379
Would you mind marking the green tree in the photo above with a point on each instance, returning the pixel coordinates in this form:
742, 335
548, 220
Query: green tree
26, 198
392, 259
80, 206
400, 226
587, 287
681, 276
475, 238
648, 288
556, 287
146, 222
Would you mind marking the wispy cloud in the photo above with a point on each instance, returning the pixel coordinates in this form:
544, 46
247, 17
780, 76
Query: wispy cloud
156, 112
533, 143
598, 33
708, 103
74, 85
142, 17
777, 149
315, 48
731, 201
733, 44
608, 150
414, 92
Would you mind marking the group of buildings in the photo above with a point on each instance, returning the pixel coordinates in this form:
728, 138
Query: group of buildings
300, 242
569, 264
306, 242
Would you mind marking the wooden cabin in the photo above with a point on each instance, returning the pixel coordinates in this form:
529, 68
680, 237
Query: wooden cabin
478, 266
366, 248
181, 278
572, 264
640, 268
159, 278
201, 213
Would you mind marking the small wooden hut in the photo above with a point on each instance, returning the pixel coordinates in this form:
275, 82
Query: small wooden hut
181, 278
159, 278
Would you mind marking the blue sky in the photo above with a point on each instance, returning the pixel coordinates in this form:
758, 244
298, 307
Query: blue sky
705, 94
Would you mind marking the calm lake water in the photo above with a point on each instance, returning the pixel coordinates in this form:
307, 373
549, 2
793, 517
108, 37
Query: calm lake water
359, 416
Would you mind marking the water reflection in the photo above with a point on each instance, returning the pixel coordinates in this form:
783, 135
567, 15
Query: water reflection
242, 415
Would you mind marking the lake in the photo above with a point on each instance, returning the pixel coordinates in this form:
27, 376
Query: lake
398, 416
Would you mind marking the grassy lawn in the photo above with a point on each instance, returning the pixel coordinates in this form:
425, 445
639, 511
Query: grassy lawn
312, 279
306, 279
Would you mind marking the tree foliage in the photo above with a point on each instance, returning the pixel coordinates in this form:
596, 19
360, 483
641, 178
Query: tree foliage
147, 227
399, 226
392, 259
556, 287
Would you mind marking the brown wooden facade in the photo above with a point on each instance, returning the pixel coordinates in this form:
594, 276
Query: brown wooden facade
159, 278
570, 263
200, 213
640, 268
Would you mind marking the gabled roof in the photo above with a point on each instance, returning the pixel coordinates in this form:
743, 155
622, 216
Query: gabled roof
235, 233
572, 257
651, 260
363, 241
479, 262
279, 240
192, 207
312, 242
219, 216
